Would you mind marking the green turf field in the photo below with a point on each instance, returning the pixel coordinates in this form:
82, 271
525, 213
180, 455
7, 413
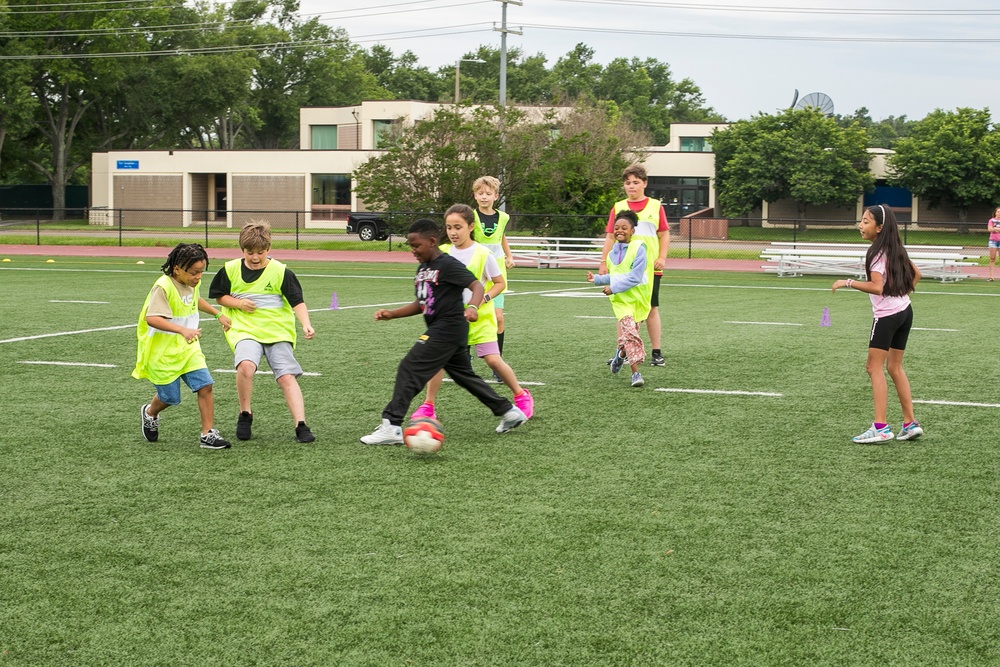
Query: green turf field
619, 526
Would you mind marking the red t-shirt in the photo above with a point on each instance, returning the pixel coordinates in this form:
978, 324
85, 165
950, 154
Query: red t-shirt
637, 206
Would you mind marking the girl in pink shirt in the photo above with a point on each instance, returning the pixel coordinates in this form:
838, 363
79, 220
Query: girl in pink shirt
993, 226
891, 278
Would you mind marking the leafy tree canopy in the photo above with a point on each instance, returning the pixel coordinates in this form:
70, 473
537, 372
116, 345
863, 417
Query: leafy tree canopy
799, 154
951, 157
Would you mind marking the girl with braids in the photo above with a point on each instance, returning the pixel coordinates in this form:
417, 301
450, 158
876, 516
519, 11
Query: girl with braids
168, 350
891, 278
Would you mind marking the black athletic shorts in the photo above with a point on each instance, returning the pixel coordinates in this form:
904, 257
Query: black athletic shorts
654, 299
892, 331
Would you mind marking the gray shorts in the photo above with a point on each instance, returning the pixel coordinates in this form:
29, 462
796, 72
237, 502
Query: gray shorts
279, 356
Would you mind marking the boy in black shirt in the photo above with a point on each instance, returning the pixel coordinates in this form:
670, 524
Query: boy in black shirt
439, 285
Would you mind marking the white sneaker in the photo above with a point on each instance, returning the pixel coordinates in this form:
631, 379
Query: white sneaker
511, 419
385, 434
874, 435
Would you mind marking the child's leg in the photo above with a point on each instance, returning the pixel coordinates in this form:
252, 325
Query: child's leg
654, 327
293, 397
898, 375
156, 406
880, 389
420, 364
630, 342
504, 372
434, 386
500, 329
244, 384
206, 406
460, 369
994, 253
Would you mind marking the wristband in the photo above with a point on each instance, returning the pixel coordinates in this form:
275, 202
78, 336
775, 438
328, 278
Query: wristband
472, 306
849, 283
217, 315
487, 298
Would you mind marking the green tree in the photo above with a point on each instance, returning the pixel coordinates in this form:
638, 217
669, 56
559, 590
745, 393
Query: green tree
883, 133
799, 154
567, 162
402, 77
951, 157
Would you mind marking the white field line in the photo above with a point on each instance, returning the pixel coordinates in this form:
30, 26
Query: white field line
67, 363
718, 391
67, 301
929, 329
963, 404
66, 333
233, 370
774, 324
595, 317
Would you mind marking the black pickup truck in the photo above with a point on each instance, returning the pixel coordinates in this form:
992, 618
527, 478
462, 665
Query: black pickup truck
368, 226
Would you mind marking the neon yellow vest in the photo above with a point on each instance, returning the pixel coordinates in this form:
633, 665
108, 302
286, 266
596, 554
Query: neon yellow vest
484, 329
635, 300
494, 241
273, 321
649, 223
163, 356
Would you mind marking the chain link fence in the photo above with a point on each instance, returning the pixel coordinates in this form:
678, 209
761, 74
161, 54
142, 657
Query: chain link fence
690, 237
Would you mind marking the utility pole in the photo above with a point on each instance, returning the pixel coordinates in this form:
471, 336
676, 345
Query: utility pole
503, 30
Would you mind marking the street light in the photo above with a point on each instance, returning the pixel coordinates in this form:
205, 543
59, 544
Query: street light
459, 62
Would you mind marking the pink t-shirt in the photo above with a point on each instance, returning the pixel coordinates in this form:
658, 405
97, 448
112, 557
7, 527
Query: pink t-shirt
884, 306
994, 236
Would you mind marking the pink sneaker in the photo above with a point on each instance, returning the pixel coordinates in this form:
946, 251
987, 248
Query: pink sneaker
525, 403
425, 410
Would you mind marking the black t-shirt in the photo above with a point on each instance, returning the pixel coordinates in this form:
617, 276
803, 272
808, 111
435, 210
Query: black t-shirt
489, 222
438, 285
290, 287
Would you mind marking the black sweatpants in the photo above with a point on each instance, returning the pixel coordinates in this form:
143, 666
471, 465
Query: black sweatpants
429, 354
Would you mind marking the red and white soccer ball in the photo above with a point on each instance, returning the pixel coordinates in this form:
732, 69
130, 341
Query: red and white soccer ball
423, 435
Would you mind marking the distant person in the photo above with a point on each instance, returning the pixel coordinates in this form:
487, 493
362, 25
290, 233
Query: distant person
654, 232
439, 286
263, 297
168, 350
490, 229
459, 223
891, 278
993, 226
627, 283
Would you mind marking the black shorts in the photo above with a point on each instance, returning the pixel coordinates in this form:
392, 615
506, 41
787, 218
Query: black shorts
654, 299
892, 331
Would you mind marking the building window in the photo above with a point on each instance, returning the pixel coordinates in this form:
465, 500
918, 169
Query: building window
696, 145
331, 189
680, 196
324, 137
382, 131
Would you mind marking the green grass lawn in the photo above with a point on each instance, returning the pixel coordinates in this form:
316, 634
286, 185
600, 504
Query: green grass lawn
619, 526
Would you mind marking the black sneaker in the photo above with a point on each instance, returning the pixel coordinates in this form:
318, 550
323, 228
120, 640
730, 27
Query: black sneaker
303, 434
150, 426
212, 440
658, 360
243, 425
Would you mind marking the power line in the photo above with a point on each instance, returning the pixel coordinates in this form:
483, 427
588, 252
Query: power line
935, 13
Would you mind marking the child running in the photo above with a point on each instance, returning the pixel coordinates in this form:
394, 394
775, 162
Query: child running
263, 298
168, 350
891, 278
993, 227
439, 285
490, 229
459, 221
627, 283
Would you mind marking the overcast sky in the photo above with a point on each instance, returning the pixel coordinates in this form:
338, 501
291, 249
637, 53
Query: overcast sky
746, 57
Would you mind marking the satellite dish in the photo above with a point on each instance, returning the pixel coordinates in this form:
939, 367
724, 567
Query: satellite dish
820, 101
794, 99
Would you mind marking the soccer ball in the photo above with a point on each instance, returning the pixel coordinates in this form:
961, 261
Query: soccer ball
423, 435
